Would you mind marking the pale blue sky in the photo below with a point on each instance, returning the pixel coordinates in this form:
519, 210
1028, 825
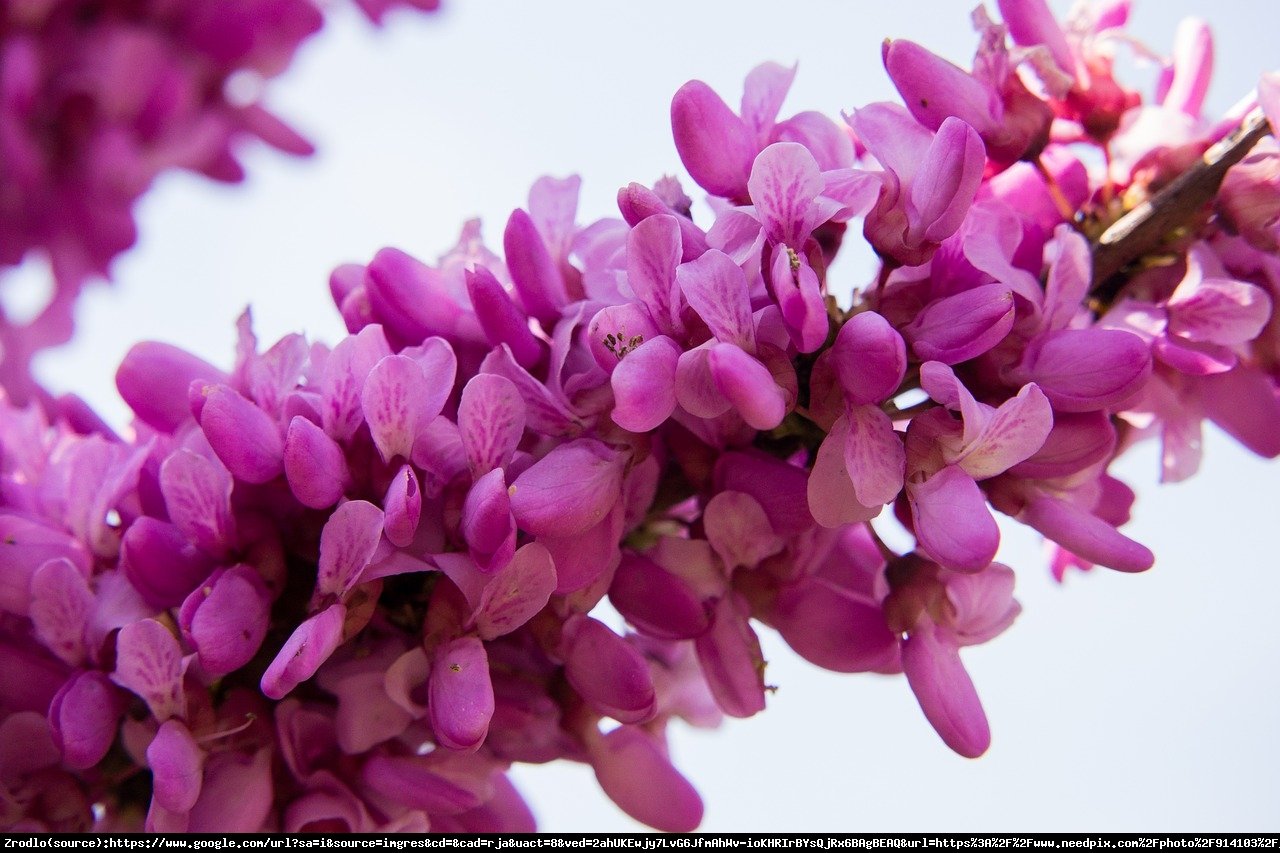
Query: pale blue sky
1117, 702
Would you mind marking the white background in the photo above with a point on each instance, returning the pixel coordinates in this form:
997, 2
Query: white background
1117, 702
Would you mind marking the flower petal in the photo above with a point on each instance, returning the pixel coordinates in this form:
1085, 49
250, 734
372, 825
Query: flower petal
945, 691
608, 672
874, 456
461, 694
952, 522
716, 288
715, 145
149, 662
491, 417
347, 543
569, 490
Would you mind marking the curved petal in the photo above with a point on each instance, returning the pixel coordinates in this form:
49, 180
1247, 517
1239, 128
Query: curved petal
945, 691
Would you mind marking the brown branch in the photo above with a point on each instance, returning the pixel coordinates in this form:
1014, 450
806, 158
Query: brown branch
1145, 228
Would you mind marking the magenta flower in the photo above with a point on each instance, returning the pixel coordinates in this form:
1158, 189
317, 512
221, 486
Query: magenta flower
101, 99
719, 147
928, 183
536, 505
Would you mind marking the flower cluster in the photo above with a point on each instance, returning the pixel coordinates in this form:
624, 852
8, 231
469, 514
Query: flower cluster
99, 97
346, 588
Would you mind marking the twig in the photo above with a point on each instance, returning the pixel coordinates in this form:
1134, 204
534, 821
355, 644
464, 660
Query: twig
1143, 229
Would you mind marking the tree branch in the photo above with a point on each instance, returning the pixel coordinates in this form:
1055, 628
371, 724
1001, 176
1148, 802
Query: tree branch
1145, 228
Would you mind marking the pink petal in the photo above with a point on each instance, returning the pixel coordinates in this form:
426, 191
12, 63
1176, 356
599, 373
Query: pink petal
983, 603
1070, 274
367, 715
952, 522
60, 605
149, 662
1086, 535
696, 389
237, 794
831, 496
516, 592
177, 767
763, 92
501, 319
894, 138
153, 379
1243, 402
748, 386
870, 358
960, 327
1269, 97
461, 694
784, 182
1075, 442
1184, 84
944, 188
644, 385
934, 89
617, 330
834, 630
1032, 23
583, 559
569, 490
716, 288
404, 681
309, 646
1014, 433
84, 717
197, 492
739, 531
402, 507
490, 422
653, 252
487, 522
394, 402
778, 487
330, 808
506, 812
429, 783
608, 672
413, 301
245, 438
28, 545
873, 456
715, 145
535, 273
438, 453
1220, 311
831, 146
26, 745
730, 657
945, 691
347, 543
225, 619
737, 233
799, 296
637, 203
1080, 370
636, 774
314, 465
345, 372
658, 603
545, 412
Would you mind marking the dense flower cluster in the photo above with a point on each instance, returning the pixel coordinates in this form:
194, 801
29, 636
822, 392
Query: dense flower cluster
348, 587
98, 97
